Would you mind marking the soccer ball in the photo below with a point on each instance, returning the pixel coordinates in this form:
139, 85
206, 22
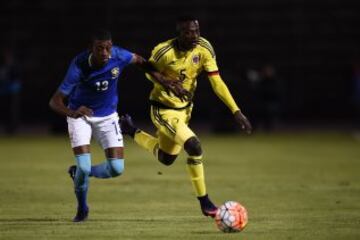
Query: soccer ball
231, 217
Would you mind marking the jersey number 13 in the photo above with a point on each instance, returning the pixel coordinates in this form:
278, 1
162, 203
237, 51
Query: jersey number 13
102, 85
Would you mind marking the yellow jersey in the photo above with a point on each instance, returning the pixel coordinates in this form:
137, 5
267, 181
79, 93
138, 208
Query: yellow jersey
183, 65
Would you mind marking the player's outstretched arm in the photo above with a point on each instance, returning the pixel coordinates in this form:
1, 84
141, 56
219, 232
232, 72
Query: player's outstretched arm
57, 104
172, 85
224, 94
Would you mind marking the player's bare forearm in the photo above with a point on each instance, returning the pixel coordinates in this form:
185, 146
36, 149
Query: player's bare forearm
172, 85
142, 63
57, 105
149, 68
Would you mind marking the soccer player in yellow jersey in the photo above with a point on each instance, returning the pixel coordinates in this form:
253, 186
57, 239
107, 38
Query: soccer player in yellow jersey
182, 58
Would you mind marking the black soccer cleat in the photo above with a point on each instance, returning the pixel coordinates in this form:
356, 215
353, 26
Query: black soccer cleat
72, 172
81, 215
207, 207
209, 212
127, 125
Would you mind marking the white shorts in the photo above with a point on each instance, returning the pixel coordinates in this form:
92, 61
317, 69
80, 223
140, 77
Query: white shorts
106, 131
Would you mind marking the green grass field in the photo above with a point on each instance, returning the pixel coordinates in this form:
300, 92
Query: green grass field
294, 185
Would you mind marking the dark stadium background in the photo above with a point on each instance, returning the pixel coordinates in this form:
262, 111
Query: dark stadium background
312, 45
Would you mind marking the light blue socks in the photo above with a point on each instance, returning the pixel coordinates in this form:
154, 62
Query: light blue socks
81, 180
110, 168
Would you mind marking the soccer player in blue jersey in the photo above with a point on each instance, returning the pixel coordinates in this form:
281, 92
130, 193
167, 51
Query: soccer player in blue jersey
90, 88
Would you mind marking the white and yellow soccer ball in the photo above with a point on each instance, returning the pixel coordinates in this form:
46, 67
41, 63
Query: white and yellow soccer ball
231, 217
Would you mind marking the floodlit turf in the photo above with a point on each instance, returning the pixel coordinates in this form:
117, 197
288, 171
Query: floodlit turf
294, 185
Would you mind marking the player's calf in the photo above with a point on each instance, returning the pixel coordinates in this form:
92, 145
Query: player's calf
83, 169
116, 167
107, 169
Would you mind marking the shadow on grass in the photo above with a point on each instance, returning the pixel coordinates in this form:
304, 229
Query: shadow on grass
31, 220
68, 220
207, 232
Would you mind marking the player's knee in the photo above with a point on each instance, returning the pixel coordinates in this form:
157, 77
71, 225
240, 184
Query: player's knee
193, 147
116, 167
165, 158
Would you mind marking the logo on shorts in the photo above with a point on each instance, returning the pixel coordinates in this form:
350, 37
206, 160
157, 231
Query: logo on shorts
115, 72
196, 59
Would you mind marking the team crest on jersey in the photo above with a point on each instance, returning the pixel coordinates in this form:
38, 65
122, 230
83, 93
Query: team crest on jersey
115, 72
196, 59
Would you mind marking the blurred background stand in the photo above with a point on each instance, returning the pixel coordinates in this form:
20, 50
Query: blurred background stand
10, 92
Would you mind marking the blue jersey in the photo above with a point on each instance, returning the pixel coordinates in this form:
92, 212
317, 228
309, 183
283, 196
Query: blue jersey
95, 88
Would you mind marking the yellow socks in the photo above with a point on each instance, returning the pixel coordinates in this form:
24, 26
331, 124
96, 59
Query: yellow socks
196, 171
194, 164
147, 141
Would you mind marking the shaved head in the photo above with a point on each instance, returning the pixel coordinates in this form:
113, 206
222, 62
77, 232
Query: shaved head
188, 30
